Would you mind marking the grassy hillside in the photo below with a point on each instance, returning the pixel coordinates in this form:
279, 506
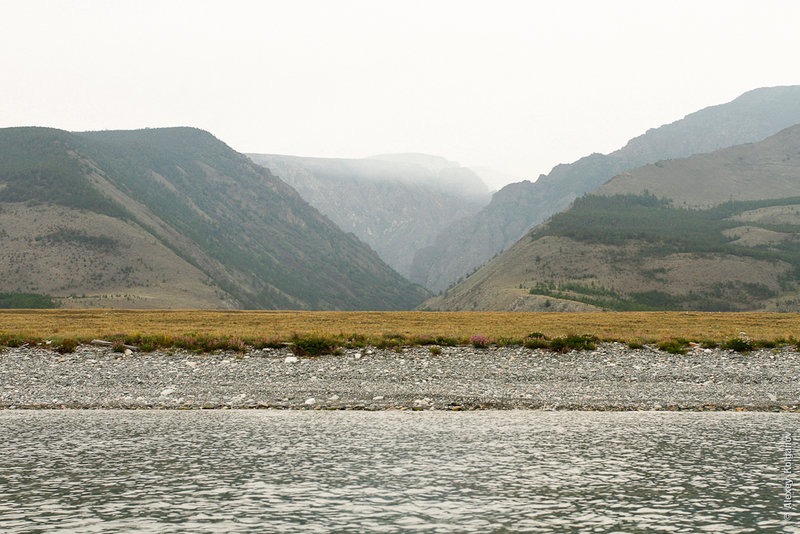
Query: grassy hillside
473, 241
92, 260
639, 251
120, 207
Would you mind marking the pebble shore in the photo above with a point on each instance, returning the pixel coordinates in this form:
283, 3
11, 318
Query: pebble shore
612, 377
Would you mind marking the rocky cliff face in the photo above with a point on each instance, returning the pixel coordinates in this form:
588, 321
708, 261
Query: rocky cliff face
471, 242
396, 204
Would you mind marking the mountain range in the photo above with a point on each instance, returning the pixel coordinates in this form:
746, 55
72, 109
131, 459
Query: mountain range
472, 241
703, 213
713, 232
172, 218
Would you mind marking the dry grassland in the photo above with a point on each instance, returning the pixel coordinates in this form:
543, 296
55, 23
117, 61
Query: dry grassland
631, 326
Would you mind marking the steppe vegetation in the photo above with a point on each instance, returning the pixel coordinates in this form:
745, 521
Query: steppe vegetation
618, 219
658, 230
313, 333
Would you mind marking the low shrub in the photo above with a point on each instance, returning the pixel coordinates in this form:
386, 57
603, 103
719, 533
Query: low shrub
312, 345
190, 342
573, 342
234, 344
536, 343
479, 342
66, 346
151, 342
202, 343
390, 341
436, 350
738, 344
673, 346
507, 341
446, 341
15, 340
118, 345
635, 345
421, 340
356, 341
764, 344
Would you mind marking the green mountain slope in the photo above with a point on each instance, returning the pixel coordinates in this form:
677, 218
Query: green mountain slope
718, 231
174, 200
472, 241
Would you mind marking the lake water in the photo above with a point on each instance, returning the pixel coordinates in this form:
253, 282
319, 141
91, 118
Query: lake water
494, 471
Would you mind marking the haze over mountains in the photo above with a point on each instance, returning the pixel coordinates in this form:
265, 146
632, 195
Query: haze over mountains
396, 203
717, 231
474, 240
172, 218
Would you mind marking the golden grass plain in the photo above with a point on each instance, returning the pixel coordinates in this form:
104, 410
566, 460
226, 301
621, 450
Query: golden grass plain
628, 326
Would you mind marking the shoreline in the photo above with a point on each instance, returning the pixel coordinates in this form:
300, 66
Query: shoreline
612, 377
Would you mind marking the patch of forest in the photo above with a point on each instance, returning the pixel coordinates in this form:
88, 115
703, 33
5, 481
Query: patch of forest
663, 229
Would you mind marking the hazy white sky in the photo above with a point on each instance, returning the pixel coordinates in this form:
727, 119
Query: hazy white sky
515, 85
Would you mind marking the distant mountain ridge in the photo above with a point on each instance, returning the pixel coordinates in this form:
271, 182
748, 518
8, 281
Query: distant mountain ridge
718, 231
474, 240
396, 203
494, 179
172, 217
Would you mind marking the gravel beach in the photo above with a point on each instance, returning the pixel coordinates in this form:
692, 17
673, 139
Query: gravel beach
612, 377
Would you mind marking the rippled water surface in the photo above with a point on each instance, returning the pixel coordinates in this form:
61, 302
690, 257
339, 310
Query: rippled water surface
249, 471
